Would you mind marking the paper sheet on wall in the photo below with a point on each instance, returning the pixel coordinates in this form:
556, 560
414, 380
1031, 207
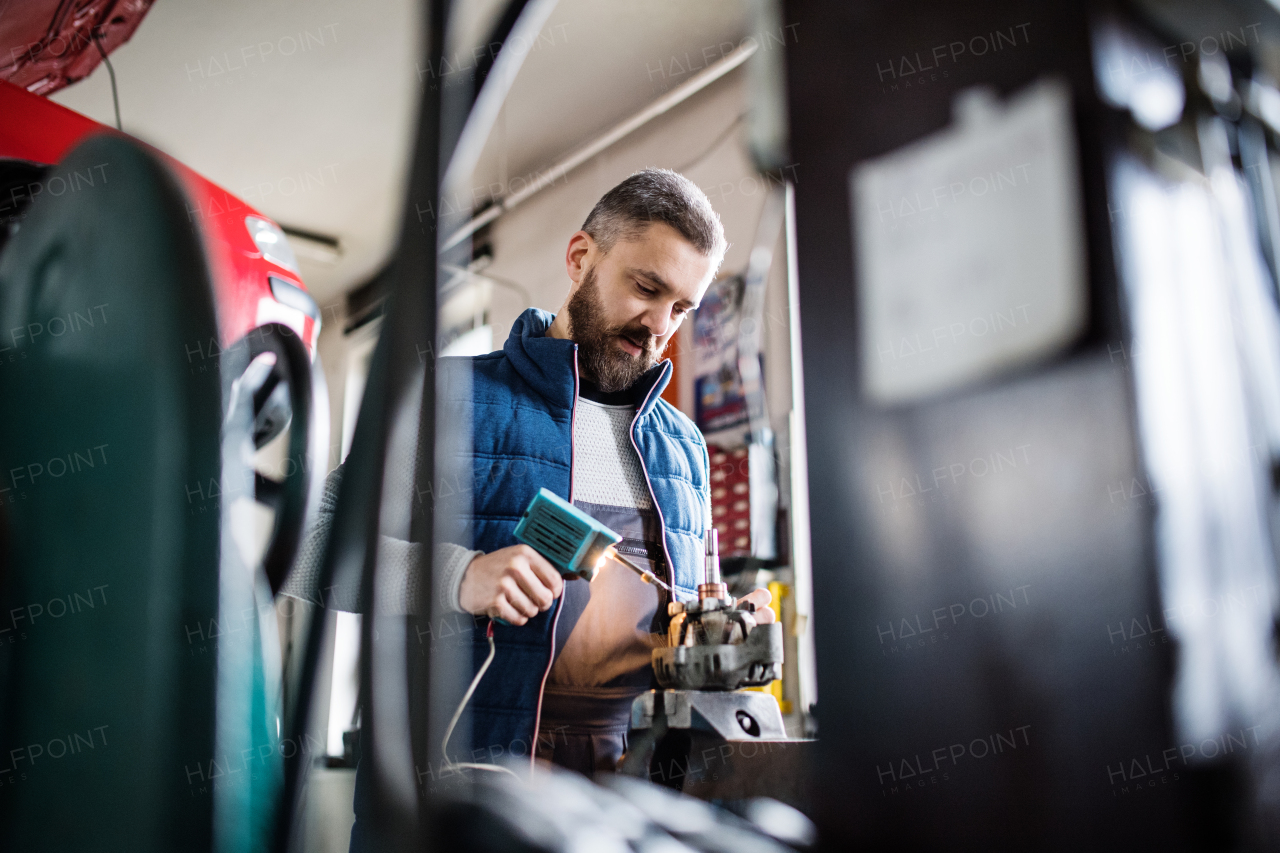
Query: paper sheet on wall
970, 246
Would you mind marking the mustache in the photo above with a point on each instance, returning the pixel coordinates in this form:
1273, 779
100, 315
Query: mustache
638, 337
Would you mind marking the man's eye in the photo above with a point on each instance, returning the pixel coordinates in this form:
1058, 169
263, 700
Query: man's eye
647, 291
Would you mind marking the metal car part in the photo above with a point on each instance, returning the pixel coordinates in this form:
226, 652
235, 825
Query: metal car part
733, 716
691, 663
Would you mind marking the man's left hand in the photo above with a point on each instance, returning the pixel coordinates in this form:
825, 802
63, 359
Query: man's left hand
761, 598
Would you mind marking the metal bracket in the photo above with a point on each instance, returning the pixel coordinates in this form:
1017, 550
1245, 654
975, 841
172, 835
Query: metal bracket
732, 716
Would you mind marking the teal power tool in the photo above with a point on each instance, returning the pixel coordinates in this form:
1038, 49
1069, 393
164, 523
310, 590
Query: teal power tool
577, 545
572, 541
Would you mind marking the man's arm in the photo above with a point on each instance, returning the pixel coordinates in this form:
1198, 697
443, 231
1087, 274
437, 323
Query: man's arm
513, 584
451, 562
303, 580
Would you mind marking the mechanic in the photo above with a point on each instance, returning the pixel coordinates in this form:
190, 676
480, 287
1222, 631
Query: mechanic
572, 403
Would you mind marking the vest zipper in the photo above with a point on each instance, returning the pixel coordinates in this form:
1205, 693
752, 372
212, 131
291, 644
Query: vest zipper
555, 620
662, 522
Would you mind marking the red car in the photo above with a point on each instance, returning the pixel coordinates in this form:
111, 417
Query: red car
48, 44
254, 273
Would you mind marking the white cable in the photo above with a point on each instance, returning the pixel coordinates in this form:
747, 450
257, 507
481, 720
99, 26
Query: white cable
444, 746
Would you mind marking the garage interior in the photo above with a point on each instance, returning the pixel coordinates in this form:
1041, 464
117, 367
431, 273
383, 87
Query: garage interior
989, 377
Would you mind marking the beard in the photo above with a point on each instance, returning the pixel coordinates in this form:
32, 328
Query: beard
599, 355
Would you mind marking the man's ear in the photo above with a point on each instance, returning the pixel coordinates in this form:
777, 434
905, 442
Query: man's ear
575, 257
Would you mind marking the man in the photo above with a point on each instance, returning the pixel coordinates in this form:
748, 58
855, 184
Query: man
571, 403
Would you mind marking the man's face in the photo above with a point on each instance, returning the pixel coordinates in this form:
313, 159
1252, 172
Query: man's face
628, 302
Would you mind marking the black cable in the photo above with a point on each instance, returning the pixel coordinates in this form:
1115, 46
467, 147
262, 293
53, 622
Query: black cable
388, 675
115, 96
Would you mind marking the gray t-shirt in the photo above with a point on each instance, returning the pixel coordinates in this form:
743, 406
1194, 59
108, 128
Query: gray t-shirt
607, 628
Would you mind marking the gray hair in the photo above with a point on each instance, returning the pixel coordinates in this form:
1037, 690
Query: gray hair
657, 195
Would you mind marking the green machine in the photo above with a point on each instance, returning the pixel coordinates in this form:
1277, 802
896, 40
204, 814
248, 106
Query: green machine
139, 692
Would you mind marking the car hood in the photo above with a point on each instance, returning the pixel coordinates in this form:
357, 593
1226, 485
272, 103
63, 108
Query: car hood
46, 45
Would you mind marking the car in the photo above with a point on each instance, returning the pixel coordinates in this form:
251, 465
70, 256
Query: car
254, 273
263, 308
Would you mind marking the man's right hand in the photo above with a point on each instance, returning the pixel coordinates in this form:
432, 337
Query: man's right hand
513, 584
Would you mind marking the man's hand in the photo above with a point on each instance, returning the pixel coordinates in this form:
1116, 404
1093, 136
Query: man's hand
513, 584
760, 598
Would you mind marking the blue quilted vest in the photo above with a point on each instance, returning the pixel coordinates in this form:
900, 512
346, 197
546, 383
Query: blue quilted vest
522, 402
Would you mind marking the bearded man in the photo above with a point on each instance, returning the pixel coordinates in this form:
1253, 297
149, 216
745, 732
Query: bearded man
571, 403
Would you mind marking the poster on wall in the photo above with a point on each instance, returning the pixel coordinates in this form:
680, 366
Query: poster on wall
719, 402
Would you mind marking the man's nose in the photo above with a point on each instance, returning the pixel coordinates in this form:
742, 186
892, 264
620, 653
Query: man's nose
657, 321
